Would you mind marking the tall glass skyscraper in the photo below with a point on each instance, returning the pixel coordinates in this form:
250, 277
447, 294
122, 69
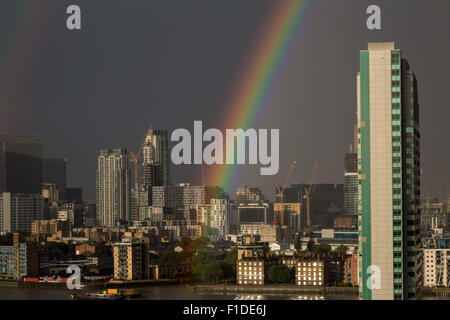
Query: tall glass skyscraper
21, 164
388, 174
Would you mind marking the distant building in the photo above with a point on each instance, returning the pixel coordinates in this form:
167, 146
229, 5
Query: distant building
251, 217
113, 187
270, 233
218, 227
351, 273
128, 262
250, 246
251, 271
292, 214
21, 164
436, 267
19, 259
310, 272
89, 214
346, 222
55, 173
326, 202
351, 183
18, 211
74, 194
245, 195
73, 212
50, 192
44, 227
185, 196
156, 166
434, 215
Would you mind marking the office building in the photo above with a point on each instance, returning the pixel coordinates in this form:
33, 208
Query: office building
21, 164
113, 187
55, 173
18, 211
389, 174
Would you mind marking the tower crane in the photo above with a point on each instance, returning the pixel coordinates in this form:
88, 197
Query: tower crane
281, 191
308, 192
134, 157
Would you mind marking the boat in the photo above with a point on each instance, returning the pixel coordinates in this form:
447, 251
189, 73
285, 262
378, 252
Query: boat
97, 296
130, 294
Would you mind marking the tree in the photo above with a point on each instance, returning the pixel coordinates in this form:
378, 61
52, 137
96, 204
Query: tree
310, 245
185, 241
212, 272
229, 264
279, 273
322, 248
341, 251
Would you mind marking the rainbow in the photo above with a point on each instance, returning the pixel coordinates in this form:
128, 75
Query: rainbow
266, 65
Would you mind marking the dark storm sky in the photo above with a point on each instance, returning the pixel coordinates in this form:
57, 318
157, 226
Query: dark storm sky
138, 62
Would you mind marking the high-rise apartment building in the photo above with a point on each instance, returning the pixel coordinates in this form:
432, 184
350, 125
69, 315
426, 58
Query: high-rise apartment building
389, 175
128, 259
436, 267
19, 260
55, 173
155, 166
351, 183
218, 225
21, 164
113, 187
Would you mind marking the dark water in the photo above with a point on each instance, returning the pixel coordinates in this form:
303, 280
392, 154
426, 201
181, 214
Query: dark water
161, 293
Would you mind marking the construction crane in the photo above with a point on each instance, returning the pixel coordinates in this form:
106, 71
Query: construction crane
281, 191
308, 192
134, 157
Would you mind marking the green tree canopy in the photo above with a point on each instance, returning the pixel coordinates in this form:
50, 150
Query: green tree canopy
322, 248
341, 251
212, 272
279, 273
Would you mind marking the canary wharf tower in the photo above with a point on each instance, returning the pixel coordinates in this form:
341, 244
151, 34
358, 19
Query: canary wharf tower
388, 175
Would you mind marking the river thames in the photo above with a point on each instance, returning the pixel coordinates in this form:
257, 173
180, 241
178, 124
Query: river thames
162, 293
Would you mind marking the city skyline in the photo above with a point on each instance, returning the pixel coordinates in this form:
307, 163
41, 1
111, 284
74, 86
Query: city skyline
78, 103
